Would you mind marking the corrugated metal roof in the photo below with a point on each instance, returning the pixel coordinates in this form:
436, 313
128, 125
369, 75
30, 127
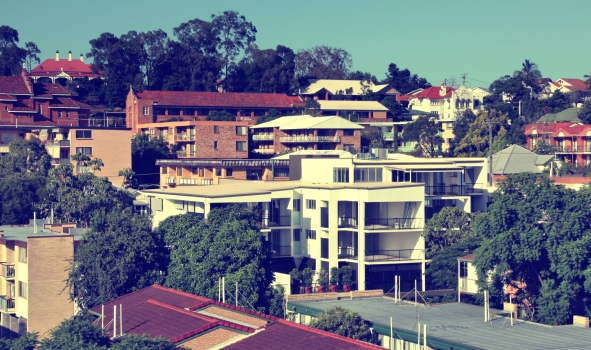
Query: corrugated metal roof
302, 122
426, 167
336, 105
568, 115
333, 86
516, 159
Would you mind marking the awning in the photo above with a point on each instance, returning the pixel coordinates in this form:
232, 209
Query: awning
426, 168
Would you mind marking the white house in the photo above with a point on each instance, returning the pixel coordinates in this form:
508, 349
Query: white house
467, 276
447, 101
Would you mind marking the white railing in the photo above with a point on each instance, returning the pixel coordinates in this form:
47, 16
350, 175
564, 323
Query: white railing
264, 150
263, 137
310, 139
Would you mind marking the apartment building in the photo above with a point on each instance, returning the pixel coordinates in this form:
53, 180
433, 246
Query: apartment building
34, 263
571, 141
157, 106
305, 132
111, 145
391, 133
23, 102
202, 139
338, 210
363, 109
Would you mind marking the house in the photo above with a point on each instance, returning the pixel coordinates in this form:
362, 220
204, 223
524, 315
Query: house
363, 109
34, 265
516, 159
111, 145
324, 89
567, 115
60, 71
23, 102
467, 276
565, 85
196, 322
571, 141
158, 106
338, 209
305, 132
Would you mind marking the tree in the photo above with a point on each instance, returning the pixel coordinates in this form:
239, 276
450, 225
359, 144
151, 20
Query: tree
26, 156
536, 239
475, 142
118, 255
529, 73
461, 127
446, 228
154, 46
228, 244
233, 33
323, 62
128, 180
272, 114
403, 80
507, 88
145, 150
372, 139
312, 107
442, 271
425, 131
76, 333
585, 112
31, 57
11, 56
395, 109
27, 341
19, 197
346, 323
221, 116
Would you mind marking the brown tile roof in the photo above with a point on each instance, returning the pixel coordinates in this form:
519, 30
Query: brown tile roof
48, 90
22, 109
7, 97
220, 99
13, 86
66, 102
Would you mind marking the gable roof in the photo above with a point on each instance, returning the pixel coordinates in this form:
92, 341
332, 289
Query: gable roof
433, 93
301, 122
220, 99
13, 86
74, 68
567, 115
516, 159
333, 86
574, 84
335, 105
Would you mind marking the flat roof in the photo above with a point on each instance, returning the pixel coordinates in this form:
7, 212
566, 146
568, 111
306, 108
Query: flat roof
24, 232
456, 325
425, 167
231, 188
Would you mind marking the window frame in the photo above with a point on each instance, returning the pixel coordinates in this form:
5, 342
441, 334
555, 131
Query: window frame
23, 290
81, 150
146, 110
310, 234
81, 134
310, 204
241, 128
340, 175
216, 129
23, 257
245, 146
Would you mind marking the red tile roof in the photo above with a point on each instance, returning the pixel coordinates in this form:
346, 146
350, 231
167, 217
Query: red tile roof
48, 90
7, 97
567, 128
285, 335
220, 99
576, 85
22, 109
22, 123
431, 93
66, 102
13, 86
74, 68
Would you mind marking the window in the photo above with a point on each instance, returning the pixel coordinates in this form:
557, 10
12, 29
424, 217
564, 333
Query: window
241, 145
200, 172
241, 130
218, 171
215, 145
463, 269
83, 134
67, 114
216, 129
281, 172
60, 114
40, 109
83, 169
229, 172
179, 171
23, 289
348, 132
84, 150
340, 175
146, 110
151, 131
296, 205
311, 234
22, 254
310, 204
450, 125
324, 248
296, 234
164, 170
194, 171
368, 175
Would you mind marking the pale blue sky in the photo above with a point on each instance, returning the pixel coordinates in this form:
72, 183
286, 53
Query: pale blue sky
435, 39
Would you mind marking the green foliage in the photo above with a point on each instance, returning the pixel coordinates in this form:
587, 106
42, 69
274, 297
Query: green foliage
322, 277
403, 80
529, 74
76, 333
446, 228
346, 323
118, 255
271, 115
349, 115
307, 276
228, 244
334, 276
461, 127
26, 156
346, 273
11, 56
475, 142
312, 107
145, 150
536, 238
276, 301
425, 131
372, 138
221, 116
442, 271
233, 33
544, 148
585, 112
27, 341
19, 196
395, 109
128, 180
323, 62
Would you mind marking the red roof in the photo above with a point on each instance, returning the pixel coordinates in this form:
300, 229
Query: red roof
576, 85
285, 335
66, 102
13, 86
567, 128
220, 99
24, 122
469, 257
48, 90
432, 93
75, 68
7, 97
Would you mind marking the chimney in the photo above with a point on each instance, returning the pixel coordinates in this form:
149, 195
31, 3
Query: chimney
70, 55
81, 58
57, 56
443, 90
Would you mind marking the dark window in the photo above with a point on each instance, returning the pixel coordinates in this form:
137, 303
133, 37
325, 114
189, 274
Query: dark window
296, 234
229, 172
215, 145
218, 171
463, 269
281, 172
241, 130
324, 248
311, 234
348, 132
368, 175
84, 150
310, 204
83, 134
194, 171
241, 145
216, 129
164, 170
296, 205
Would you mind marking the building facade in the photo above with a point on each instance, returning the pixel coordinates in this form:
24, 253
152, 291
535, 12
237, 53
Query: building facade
326, 89
60, 71
571, 142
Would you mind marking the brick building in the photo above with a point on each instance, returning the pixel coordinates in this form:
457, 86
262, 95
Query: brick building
59, 71
571, 141
23, 102
202, 139
305, 132
34, 262
157, 106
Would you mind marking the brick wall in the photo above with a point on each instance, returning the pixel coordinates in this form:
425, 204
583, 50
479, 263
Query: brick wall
313, 296
234, 315
210, 339
48, 260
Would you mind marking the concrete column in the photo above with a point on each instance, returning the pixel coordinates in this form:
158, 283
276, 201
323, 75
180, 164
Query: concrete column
333, 233
361, 246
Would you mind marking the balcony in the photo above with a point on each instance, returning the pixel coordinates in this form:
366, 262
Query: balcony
453, 190
393, 255
184, 137
348, 253
571, 149
6, 304
281, 250
264, 150
185, 153
276, 221
58, 143
394, 224
310, 139
7, 270
64, 161
347, 222
263, 137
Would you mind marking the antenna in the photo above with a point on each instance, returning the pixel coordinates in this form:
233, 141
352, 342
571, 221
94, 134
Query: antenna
464, 78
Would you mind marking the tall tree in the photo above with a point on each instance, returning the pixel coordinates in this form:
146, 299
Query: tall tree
271, 115
425, 131
475, 143
154, 45
228, 244
529, 73
395, 109
31, 58
11, 56
145, 150
585, 112
446, 228
442, 271
403, 80
76, 333
234, 34
26, 156
323, 62
346, 323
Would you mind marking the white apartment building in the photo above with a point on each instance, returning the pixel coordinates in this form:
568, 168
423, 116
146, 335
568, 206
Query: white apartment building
339, 210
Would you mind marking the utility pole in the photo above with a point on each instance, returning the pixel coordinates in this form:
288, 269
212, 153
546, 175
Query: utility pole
490, 142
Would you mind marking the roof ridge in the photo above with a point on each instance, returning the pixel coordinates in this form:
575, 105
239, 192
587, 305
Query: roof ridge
157, 286
232, 307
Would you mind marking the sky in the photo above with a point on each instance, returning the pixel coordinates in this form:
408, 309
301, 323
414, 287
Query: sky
437, 40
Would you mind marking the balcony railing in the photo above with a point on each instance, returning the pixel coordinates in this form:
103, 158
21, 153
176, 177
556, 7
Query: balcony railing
185, 153
452, 190
7, 270
348, 253
263, 137
264, 150
347, 222
310, 139
184, 137
6, 304
281, 250
275, 221
394, 224
60, 143
393, 255
569, 149
65, 161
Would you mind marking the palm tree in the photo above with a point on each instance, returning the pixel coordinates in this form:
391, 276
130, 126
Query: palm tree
530, 73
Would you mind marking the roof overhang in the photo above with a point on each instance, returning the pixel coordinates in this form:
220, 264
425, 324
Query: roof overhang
426, 168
